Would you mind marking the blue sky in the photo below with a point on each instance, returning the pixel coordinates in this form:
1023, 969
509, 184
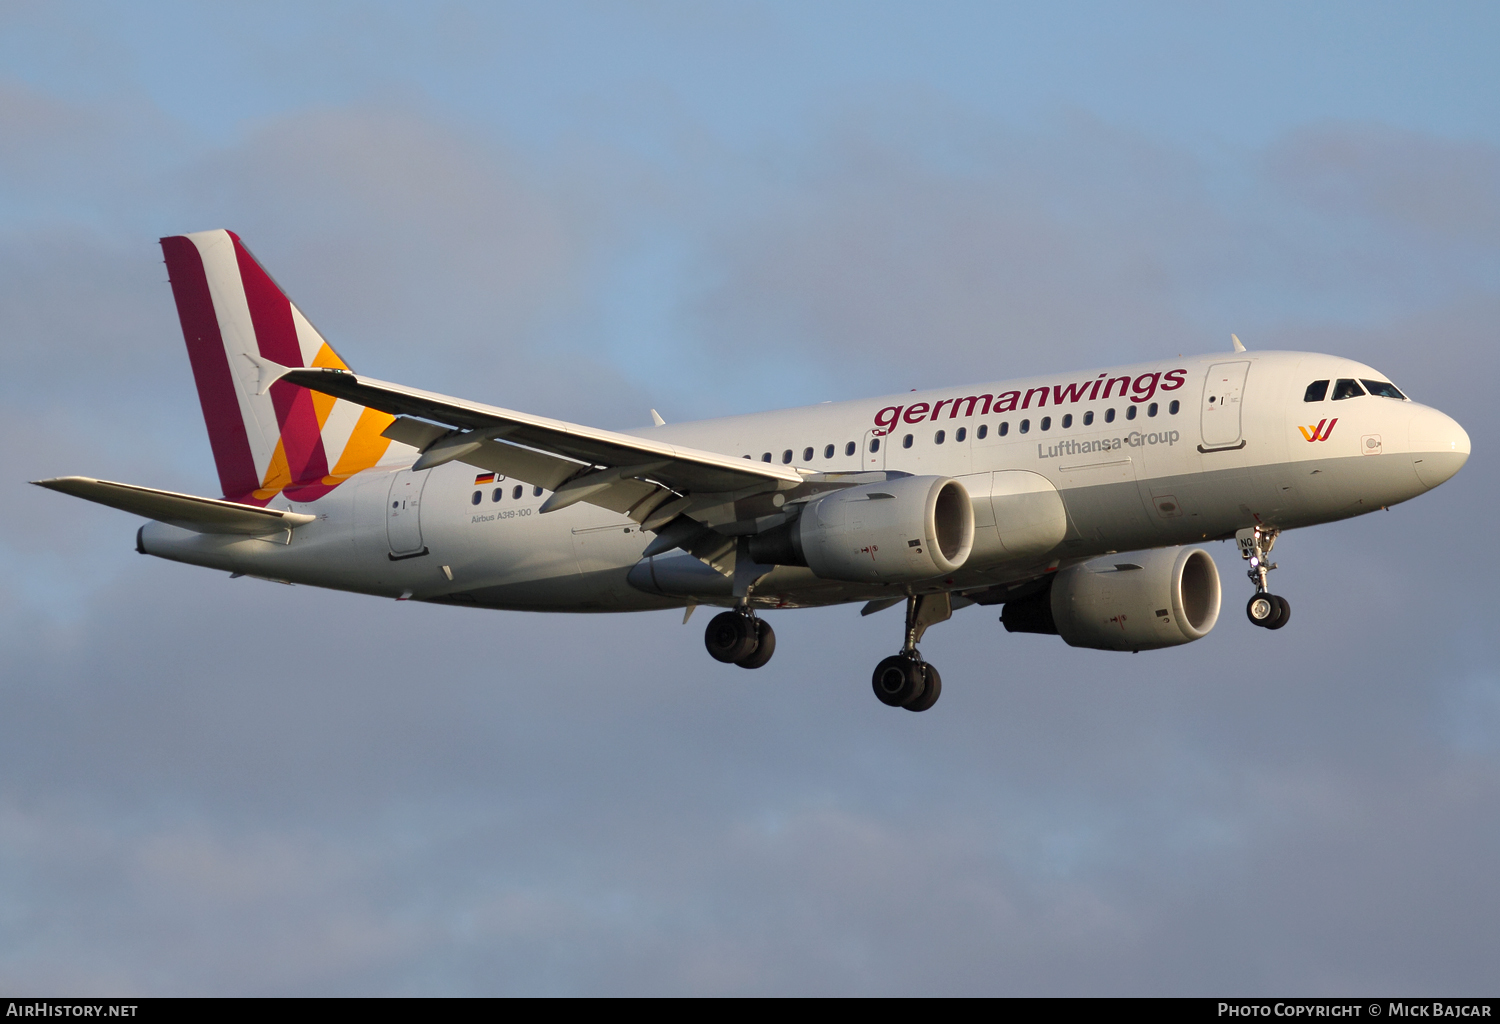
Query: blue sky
590, 210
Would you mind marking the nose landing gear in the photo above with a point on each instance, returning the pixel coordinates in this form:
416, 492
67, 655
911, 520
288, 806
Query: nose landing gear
1265, 608
904, 680
739, 638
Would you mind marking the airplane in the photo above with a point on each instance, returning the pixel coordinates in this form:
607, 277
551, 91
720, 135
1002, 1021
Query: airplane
1072, 501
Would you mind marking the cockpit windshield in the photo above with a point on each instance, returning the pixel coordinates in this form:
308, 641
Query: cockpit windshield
1382, 388
1346, 388
1316, 391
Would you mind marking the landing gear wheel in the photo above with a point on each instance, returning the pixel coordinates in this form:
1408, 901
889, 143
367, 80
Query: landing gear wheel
1261, 610
899, 680
1283, 613
730, 637
765, 646
1269, 611
930, 692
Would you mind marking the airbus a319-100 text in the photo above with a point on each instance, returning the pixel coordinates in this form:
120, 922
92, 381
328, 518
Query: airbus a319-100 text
1020, 493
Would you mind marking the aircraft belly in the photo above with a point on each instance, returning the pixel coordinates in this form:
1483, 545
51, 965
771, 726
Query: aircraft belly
602, 590
1107, 516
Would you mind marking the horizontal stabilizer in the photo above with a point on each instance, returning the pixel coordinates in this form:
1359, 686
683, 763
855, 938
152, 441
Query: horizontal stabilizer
201, 515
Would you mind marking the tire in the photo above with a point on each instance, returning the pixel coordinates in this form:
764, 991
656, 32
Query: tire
765, 646
730, 637
1261, 610
1283, 613
930, 692
898, 680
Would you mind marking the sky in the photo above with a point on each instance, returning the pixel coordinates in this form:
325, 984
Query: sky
588, 210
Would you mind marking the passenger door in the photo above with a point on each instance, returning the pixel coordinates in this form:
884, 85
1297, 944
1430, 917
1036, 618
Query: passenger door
403, 523
1223, 391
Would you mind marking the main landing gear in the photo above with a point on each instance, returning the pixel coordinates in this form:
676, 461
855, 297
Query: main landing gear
1265, 608
739, 638
904, 680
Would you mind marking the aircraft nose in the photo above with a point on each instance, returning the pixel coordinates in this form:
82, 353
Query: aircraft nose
1439, 446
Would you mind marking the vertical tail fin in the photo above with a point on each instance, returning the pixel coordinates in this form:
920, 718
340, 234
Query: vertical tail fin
289, 439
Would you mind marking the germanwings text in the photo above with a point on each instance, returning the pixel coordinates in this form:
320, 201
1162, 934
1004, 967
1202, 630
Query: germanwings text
1139, 389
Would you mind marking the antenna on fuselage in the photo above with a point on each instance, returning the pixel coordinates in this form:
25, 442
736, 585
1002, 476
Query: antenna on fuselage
1237, 346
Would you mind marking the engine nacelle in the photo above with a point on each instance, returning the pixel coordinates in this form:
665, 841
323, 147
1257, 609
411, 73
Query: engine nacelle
898, 531
1134, 602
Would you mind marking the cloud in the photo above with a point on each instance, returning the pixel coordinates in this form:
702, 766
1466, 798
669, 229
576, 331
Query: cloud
1439, 188
1002, 253
880, 265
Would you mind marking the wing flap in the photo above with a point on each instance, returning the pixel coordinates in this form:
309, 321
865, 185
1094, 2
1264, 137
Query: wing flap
201, 515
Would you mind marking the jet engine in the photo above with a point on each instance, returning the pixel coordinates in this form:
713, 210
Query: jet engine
897, 531
1136, 602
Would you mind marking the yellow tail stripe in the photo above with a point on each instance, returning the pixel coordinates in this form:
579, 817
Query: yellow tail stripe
365, 446
278, 474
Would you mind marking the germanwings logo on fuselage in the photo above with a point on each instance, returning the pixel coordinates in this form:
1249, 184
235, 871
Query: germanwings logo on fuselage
1134, 389
1319, 433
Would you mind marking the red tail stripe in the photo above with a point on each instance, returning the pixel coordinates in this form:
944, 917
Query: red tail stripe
276, 335
216, 392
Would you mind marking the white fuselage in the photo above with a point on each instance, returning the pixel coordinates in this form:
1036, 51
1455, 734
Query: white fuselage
1235, 453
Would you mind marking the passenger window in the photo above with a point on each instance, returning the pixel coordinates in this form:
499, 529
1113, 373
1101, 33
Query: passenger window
1347, 388
499, 493
786, 457
1151, 409
1046, 422
874, 445
1067, 421
906, 441
1025, 426
1004, 427
1130, 412
478, 497
1174, 407
1109, 415
960, 434
536, 492
983, 431
849, 448
1382, 389
517, 492
765, 457
807, 454
1316, 391
939, 437
828, 452
1088, 417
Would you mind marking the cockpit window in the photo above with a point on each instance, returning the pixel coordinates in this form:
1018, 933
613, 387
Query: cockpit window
1316, 391
1382, 388
1347, 388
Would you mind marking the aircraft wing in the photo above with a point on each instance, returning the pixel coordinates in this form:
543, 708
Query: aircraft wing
643, 478
201, 515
